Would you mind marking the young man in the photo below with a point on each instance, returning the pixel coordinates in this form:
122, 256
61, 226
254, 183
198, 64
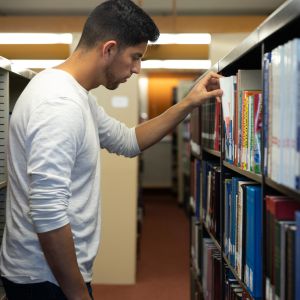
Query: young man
56, 130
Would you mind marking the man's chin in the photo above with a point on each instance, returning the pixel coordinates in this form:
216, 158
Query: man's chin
112, 87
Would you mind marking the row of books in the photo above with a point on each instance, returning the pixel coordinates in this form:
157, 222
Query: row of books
195, 126
211, 279
233, 289
281, 77
210, 197
196, 247
195, 182
243, 244
243, 231
242, 114
211, 270
282, 252
211, 124
243, 228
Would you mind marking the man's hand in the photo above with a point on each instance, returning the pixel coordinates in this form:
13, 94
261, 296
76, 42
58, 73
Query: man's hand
59, 250
204, 89
150, 132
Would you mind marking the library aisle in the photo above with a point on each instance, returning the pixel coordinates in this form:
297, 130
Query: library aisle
163, 263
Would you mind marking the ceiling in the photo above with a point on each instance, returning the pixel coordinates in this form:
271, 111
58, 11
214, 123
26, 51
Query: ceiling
153, 7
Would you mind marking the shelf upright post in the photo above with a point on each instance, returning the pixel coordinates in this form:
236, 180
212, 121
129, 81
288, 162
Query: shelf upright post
222, 178
4, 115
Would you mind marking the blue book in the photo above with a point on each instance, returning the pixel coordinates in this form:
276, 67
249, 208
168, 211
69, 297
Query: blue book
227, 216
253, 269
297, 257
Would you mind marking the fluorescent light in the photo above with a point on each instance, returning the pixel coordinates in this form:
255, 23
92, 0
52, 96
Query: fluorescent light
183, 38
36, 38
35, 64
176, 64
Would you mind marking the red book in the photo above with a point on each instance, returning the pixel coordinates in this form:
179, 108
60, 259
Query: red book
282, 208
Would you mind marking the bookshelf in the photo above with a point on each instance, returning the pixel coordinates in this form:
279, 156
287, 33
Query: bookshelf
183, 148
240, 191
11, 86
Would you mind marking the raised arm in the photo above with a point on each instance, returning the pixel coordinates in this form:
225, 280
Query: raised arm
152, 131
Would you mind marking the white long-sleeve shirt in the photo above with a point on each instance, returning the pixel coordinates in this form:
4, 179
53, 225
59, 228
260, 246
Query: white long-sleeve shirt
56, 131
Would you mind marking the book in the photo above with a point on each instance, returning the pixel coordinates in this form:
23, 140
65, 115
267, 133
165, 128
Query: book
297, 256
228, 85
227, 212
253, 268
233, 219
282, 142
247, 129
257, 148
247, 80
266, 84
278, 208
279, 258
241, 226
290, 263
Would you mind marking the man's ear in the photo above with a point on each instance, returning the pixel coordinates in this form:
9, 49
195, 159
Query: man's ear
109, 48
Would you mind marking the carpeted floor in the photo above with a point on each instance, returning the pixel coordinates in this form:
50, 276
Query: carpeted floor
163, 264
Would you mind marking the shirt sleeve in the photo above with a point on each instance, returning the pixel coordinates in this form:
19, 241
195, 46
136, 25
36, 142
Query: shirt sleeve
53, 138
115, 136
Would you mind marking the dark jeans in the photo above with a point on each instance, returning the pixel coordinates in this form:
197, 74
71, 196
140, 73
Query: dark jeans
35, 291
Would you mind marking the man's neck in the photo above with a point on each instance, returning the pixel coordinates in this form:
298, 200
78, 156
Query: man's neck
81, 65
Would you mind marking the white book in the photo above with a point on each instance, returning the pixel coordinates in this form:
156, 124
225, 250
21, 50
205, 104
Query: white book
227, 86
284, 123
288, 154
297, 116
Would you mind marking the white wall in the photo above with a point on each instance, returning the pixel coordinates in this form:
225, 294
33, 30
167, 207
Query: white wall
116, 260
157, 165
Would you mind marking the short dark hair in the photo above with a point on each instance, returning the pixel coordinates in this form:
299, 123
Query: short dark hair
120, 20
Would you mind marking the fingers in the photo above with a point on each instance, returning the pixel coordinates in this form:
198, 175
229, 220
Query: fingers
211, 77
215, 93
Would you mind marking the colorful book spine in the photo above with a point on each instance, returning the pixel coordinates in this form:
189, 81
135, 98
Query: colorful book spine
257, 149
245, 123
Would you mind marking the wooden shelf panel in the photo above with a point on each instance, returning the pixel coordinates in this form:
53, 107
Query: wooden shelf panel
212, 152
283, 189
233, 271
253, 176
212, 237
